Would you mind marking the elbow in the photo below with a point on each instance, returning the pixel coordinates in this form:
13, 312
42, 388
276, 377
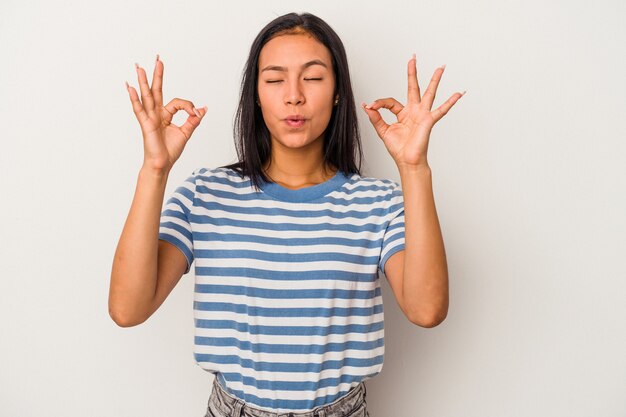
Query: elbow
124, 320
127, 312
428, 319
430, 309
121, 321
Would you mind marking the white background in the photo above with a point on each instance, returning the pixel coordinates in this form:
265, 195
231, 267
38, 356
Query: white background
529, 179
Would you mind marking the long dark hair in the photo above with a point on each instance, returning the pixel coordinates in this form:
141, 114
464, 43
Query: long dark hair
342, 140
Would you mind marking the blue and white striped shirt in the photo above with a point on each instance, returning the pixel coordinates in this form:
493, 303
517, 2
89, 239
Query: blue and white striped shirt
287, 305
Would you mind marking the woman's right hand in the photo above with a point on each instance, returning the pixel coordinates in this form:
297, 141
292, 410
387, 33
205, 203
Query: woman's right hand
163, 141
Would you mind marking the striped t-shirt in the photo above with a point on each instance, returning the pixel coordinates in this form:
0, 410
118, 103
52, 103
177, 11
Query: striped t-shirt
288, 308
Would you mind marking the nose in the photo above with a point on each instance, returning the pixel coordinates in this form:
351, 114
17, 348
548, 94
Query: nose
294, 94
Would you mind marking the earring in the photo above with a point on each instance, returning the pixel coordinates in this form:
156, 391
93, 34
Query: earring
337, 100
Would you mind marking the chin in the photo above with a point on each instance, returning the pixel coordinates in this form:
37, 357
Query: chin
296, 142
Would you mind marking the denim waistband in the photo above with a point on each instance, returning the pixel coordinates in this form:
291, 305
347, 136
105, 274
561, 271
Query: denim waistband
227, 405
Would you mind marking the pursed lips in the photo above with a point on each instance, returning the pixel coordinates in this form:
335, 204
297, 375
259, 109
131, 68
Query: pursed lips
295, 120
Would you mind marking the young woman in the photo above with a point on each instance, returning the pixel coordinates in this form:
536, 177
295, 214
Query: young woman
288, 241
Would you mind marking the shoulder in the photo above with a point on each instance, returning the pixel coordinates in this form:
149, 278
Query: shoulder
219, 175
208, 184
380, 189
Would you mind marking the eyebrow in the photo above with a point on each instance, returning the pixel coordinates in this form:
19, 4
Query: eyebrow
306, 65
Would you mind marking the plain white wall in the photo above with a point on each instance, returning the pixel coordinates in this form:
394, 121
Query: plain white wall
529, 180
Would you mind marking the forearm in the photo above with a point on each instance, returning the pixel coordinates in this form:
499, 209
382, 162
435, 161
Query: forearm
425, 281
134, 270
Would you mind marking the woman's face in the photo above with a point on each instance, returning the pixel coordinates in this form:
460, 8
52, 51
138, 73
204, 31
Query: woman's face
296, 87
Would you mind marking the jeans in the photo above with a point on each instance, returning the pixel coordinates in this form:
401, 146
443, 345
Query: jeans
223, 404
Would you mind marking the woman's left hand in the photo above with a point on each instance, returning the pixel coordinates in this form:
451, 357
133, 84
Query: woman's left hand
407, 139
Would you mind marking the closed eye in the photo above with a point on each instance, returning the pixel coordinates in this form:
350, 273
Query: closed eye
306, 79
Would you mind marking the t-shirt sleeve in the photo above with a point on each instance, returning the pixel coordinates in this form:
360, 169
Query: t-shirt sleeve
175, 225
393, 239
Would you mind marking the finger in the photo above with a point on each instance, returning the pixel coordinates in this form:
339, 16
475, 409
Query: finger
157, 83
377, 121
443, 109
146, 94
138, 109
388, 103
413, 94
192, 122
178, 104
431, 90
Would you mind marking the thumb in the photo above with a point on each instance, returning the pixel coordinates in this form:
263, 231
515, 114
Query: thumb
376, 120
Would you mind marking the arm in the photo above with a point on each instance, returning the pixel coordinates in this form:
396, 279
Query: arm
418, 275
145, 270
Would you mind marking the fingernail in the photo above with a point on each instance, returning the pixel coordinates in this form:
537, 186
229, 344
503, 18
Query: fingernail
157, 58
413, 56
127, 86
463, 93
196, 112
136, 65
443, 66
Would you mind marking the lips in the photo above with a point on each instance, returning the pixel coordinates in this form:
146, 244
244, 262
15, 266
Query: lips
295, 120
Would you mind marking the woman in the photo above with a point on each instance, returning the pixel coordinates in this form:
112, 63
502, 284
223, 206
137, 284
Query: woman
289, 240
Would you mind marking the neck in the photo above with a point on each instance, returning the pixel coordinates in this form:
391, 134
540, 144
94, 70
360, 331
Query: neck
299, 167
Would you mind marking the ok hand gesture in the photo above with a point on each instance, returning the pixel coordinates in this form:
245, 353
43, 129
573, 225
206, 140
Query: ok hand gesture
407, 139
163, 141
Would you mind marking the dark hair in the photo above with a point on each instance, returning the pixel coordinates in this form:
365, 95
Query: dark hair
342, 141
